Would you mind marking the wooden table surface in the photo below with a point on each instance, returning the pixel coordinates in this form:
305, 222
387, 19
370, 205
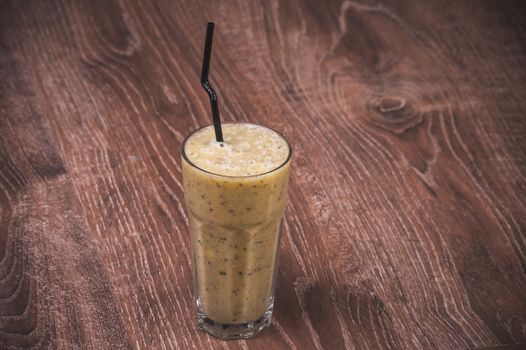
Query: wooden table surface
405, 226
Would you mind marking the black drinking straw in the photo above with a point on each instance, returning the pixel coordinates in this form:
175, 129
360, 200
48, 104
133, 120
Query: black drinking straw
206, 85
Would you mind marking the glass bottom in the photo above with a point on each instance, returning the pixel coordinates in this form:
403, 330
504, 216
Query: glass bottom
234, 330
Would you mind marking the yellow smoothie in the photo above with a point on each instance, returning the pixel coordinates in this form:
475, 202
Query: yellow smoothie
235, 193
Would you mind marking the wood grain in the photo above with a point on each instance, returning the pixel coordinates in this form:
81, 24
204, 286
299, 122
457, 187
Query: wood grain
406, 221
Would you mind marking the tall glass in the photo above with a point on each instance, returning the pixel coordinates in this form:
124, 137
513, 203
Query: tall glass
235, 226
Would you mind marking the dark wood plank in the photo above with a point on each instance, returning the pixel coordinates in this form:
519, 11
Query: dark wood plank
405, 227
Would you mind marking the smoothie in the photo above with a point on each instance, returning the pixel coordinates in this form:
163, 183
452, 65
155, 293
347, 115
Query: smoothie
235, 193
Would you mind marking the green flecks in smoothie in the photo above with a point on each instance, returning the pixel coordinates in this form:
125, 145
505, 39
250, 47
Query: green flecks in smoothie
223, 273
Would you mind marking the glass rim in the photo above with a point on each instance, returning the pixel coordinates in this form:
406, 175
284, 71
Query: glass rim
289, 156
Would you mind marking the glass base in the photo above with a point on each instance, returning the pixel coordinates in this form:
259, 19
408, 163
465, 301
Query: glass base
234, 330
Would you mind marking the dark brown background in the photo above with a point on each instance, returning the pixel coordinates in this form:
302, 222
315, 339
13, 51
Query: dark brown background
406, 221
